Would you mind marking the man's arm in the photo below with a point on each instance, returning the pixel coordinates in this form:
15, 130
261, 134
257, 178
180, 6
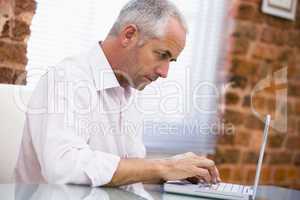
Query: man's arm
63, 152
137, 170
156, 171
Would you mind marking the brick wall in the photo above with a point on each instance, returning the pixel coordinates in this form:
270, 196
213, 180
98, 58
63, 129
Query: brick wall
15, 20
260, 45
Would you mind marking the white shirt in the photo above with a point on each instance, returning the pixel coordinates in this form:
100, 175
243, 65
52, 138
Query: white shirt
79, 123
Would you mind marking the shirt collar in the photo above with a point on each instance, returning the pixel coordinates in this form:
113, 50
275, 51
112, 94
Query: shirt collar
102, 72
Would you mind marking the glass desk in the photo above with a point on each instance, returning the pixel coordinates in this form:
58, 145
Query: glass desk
155, 192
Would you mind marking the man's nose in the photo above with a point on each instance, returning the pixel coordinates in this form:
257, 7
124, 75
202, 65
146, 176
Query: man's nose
163, 70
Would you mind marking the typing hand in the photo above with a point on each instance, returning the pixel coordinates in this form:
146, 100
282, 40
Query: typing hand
193, 168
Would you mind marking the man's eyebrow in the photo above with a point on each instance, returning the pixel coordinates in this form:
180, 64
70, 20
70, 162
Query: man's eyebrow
170, 55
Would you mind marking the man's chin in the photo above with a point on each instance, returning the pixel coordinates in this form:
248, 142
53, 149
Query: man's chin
141, 86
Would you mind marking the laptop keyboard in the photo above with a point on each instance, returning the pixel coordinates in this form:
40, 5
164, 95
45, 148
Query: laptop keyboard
227, 187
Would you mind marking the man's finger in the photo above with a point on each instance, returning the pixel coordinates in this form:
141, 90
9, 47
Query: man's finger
203, 173
193, 180
218, 177
214, 174
210, 166
205, 163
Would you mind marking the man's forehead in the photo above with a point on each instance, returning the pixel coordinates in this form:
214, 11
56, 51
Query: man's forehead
175, 30
172, 44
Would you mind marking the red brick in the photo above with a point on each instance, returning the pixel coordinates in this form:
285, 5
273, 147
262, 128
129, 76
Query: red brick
242, 138
294, 70
279, 23
245, 11
24, 6
226, 139
245, 30
265, 52
239, 46
285, 55
233, 117
6, 75
293, 142
256, 140
298, 127
293, 90
252, 122
274, 36
247, 101
238, 174
292, 174
276, 140
16, 30
5, 8
232, 98
271, 105
293, 39
292, 124
259, 102
239, 81
279, 175
265, 176
290, 109
297, 159
298, 174
250, 157
297, 58
250, 175
258, 2
230, 156
242, 67
297, 25
19, 77
225, 173
14, 53
276, 158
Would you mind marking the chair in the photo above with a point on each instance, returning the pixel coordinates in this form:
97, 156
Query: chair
13, 102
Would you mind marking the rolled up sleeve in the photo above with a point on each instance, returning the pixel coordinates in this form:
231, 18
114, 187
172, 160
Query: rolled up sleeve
65, 156
99, 172
71, 161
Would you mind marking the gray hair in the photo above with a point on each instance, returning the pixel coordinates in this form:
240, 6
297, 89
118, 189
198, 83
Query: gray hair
150, 16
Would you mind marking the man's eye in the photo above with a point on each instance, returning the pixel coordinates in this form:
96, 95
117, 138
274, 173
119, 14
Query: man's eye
163, 55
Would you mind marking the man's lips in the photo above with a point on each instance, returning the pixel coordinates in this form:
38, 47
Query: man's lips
150, 79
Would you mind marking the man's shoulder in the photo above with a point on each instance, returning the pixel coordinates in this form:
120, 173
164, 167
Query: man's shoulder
72, 69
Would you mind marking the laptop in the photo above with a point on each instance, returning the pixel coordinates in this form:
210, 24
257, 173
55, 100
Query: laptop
222, 190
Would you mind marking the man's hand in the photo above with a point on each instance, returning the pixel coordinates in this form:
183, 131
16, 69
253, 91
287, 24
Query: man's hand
191, 167
187, 166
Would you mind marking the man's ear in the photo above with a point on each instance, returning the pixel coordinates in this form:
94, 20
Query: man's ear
129, 35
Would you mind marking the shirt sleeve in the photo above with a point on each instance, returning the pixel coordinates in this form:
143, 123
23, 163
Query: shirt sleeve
64, 155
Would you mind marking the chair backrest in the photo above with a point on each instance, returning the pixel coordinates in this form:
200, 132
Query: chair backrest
13, 102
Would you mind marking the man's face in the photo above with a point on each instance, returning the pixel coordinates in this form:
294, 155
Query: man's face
152, 60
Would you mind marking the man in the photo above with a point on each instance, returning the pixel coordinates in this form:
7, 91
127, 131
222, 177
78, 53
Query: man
74, 131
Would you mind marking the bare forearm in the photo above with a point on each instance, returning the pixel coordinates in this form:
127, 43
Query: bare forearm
155, 171
138, 170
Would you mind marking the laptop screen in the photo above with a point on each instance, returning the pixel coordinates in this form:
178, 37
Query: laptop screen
261, 154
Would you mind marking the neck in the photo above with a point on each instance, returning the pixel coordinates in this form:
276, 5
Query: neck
113, 53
